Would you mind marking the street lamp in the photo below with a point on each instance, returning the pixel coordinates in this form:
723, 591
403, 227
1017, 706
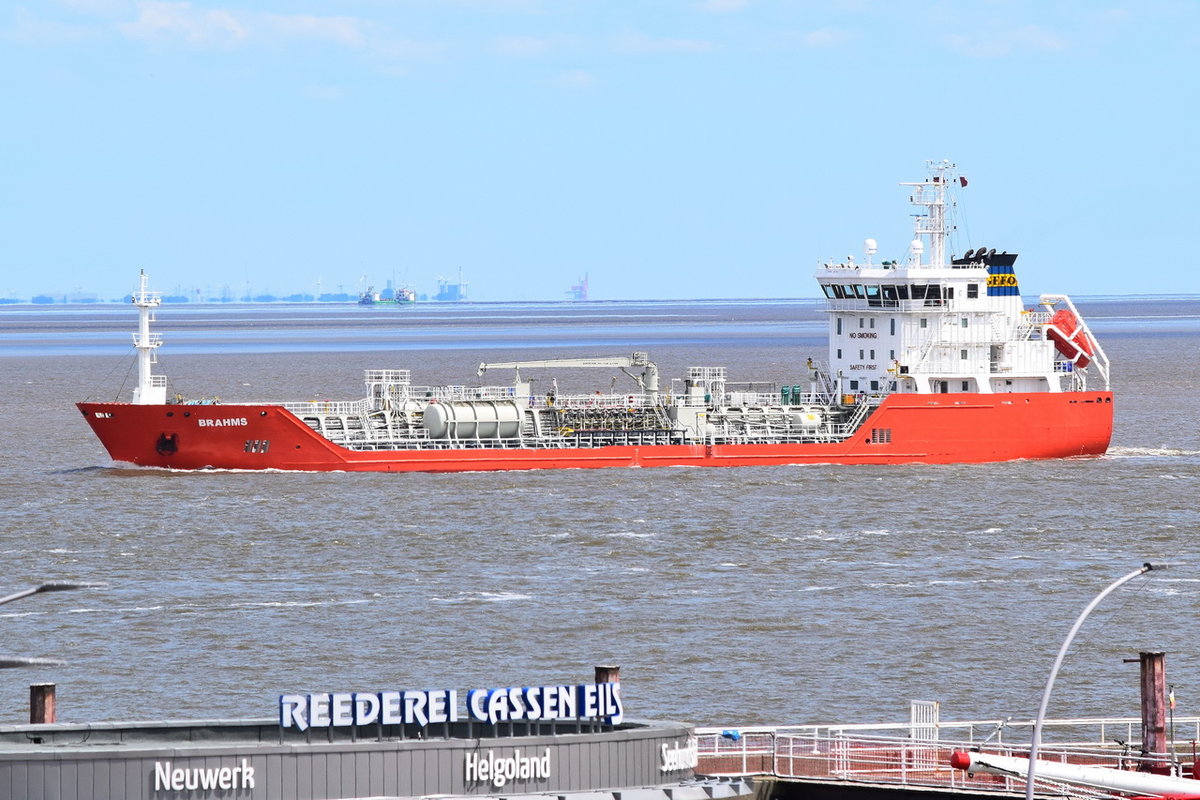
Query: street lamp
1062, 652
53, 586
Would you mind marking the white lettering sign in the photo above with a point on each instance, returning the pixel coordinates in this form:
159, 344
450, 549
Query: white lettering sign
499, 771
675, 757
431, 707
222, 423
168, 778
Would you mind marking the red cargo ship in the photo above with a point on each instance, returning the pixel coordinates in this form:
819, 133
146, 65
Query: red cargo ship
932, 358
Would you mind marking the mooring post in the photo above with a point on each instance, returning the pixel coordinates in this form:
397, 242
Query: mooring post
1154, 711
42, 707
608, 673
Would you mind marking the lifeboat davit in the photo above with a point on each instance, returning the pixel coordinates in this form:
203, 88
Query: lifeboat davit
1069, 337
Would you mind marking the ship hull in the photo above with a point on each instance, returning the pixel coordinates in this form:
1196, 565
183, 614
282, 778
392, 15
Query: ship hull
905, 428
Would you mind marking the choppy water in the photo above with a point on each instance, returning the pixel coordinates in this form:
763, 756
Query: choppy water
735, 596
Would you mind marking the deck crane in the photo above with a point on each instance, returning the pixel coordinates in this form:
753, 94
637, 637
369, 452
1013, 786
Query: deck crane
647, 381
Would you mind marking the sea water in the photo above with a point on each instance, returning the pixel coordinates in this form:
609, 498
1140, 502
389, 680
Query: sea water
807, 594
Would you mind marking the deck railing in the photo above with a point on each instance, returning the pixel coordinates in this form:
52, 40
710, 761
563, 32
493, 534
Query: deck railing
890, 754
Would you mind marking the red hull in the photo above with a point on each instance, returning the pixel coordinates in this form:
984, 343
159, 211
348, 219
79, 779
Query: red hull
936, 429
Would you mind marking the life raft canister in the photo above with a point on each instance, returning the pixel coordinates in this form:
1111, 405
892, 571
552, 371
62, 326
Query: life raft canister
1077, 348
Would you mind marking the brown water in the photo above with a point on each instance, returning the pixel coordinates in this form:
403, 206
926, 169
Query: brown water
729, 596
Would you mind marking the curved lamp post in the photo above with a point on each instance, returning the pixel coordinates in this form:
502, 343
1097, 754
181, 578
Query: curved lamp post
1062, 652
53, 586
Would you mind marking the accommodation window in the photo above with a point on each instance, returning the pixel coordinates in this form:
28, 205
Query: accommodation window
839, 326
860, 355
862, 323
874, 386
972, 290
962, 354
854, 385
872, 322
839, 352
963, 322
924, 322
966, 385
872, 355
893, 326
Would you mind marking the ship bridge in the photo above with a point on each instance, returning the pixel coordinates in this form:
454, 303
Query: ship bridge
933, 322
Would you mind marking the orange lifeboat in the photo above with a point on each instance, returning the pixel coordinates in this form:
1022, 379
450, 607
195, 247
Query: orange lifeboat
1069, 337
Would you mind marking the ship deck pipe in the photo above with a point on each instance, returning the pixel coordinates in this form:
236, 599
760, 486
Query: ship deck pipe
1142, 783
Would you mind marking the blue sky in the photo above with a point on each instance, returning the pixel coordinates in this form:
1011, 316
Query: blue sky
667, 148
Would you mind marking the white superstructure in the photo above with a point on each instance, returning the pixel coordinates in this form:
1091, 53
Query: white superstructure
932, 323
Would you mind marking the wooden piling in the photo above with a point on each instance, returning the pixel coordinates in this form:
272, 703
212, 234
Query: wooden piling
1154, 709
608, 673
42, 704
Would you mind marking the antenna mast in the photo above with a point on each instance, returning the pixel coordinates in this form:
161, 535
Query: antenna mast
931, 194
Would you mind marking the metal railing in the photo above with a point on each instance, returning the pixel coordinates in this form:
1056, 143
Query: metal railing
889, 754
336, 408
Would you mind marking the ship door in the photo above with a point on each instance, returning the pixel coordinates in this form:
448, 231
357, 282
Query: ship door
943, 387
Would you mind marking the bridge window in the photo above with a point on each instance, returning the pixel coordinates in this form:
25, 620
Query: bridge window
829, 290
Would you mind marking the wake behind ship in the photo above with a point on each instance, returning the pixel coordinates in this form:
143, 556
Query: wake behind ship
932, 358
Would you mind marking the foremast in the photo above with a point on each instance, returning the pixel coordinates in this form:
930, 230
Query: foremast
151, 389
